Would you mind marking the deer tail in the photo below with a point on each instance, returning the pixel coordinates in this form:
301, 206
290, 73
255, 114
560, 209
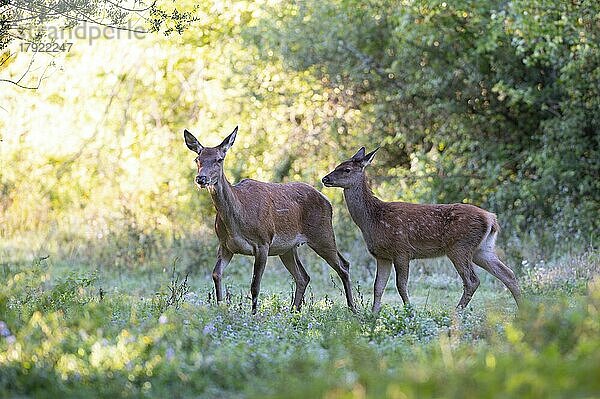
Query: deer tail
495, 226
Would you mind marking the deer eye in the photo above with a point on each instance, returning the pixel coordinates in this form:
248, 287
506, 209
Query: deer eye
347, 170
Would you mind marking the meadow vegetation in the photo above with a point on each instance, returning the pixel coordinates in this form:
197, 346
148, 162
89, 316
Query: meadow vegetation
74, 331
106, 246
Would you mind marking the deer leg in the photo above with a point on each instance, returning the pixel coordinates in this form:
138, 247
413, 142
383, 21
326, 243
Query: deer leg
384, 268
489, 261
462, 261
402, 267
223, 259
304, 275
344, 273
341, 267
260, 261
301, 278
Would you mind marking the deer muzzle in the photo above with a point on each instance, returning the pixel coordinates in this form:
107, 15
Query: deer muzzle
202, 181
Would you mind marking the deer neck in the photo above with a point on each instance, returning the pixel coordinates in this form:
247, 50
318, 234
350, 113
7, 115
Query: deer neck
361, 203
226, 203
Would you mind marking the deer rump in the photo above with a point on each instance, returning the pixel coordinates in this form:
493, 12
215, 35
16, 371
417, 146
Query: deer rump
280, 215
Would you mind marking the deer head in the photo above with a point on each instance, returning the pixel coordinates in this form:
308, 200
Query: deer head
210, 159
351, 172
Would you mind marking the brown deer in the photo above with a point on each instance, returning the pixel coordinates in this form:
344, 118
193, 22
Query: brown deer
397, 232
266, 219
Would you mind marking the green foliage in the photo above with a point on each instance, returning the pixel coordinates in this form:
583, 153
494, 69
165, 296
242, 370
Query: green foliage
474, 101
66, 341
494, 104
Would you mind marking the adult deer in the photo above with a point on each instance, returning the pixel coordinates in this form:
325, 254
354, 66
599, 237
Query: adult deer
397, 232
264, 219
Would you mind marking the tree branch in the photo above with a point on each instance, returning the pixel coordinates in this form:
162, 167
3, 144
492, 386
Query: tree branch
22, 86
132, 9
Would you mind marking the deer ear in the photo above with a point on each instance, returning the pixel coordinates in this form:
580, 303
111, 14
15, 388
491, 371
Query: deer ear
360, 154
367, 159
192, 142
229, 140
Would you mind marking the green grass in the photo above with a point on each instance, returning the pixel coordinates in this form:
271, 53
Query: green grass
74, 331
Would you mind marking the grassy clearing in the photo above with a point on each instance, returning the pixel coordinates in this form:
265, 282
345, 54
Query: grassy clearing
73, 331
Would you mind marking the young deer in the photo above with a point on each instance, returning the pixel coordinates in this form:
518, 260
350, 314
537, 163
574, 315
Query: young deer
265, 219
397, 232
